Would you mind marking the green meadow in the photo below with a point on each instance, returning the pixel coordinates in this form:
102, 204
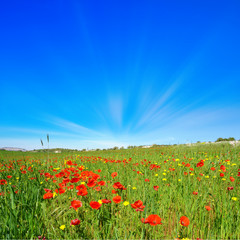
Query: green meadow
122, 194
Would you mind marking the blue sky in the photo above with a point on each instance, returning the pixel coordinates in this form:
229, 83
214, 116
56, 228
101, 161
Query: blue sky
98, 74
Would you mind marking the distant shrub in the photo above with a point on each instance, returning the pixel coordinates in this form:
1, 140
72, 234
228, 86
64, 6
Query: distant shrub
129, 147
225, 139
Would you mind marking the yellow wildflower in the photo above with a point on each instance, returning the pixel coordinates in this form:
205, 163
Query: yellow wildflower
62, 227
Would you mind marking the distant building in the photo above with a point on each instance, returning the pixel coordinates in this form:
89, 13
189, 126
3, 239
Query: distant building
147, 146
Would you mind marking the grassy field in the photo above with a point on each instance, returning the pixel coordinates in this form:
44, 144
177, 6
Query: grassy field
156, 193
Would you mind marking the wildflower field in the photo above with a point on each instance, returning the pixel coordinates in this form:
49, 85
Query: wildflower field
157, 193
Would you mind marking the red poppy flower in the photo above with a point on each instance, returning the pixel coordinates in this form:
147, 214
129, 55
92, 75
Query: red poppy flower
95, 205
223, 167
213, 168
48, 195
48, 175
65, 181
156, 187
101, 183
76, 174
232, 179
22, 167
221, 174
97, 189
147, 180
75, 222
199, 164
9, 176
62, 185
117, 199
230, 188
195, 193
74, 180
69, 163
81, 187
106, 201
70, 187
76, 204
3, 181
118, 185
184, 221
91, 182
152, 220
59, 175
60, 191
138, 205
208, 208
82, 192
114, 191
114, 174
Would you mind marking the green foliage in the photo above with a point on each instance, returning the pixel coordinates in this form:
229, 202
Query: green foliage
225, 139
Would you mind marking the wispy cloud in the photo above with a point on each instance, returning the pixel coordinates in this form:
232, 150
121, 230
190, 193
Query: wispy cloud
36, 132
195, 125
74, 127
116, 109
151, 112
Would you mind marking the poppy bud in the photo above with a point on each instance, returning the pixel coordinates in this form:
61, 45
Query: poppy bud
75, 222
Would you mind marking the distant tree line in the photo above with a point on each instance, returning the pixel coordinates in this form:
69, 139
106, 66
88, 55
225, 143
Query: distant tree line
225, 139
